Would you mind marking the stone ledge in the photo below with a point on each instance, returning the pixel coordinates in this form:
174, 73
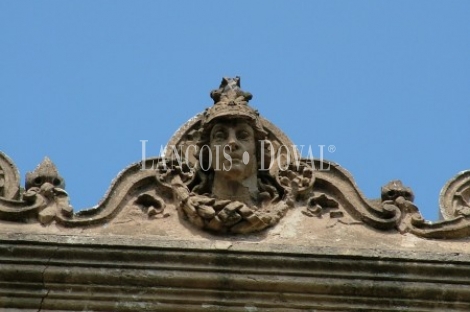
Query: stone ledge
127, 274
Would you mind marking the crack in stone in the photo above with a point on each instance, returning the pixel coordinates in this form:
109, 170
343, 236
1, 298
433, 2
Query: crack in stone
43, 278
253, 279
42, 300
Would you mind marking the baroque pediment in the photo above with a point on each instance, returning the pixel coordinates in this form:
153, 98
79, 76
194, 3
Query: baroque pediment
253, 184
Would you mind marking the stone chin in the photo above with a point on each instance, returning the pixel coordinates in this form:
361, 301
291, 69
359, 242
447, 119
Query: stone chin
237, 170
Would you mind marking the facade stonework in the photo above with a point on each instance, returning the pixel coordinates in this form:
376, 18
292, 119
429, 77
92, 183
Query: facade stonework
230, 218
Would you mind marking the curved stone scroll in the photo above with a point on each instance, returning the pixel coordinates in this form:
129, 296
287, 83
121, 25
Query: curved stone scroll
454, 207
12, 208
15, 206
19, 210
337, 183
397, 211
130, 183
9, 178
455, 197
44, 202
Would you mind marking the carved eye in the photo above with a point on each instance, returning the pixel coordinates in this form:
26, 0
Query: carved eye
38, 181
56, 182
243, 135
407, 194
219, 135
391, 193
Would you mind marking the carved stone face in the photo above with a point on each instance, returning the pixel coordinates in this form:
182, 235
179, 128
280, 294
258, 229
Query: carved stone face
233, 150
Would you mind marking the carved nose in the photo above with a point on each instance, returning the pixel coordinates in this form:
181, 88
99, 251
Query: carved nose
232, 141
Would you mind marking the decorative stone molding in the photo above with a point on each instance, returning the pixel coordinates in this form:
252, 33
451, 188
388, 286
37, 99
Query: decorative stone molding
70, 273
9, 178
272, 233
455, 197
180, 183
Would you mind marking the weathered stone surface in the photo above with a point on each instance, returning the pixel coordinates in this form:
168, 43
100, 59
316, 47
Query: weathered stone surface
455, 197
175, 237
122, 273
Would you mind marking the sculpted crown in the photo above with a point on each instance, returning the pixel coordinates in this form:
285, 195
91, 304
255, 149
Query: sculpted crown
230, 101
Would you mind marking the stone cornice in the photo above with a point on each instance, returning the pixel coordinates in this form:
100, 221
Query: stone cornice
123, 274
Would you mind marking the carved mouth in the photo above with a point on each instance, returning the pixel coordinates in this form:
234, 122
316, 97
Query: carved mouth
236, 157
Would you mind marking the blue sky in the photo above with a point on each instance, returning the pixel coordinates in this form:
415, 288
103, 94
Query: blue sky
386, 82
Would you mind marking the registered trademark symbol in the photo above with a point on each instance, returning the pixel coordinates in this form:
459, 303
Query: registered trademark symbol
331, 148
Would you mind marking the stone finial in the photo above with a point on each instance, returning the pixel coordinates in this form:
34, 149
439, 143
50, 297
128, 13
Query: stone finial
45, 172
394, 189
45, 181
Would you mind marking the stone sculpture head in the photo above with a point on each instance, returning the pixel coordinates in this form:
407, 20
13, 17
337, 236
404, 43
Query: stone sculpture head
233, 150
230, 145
232, 186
